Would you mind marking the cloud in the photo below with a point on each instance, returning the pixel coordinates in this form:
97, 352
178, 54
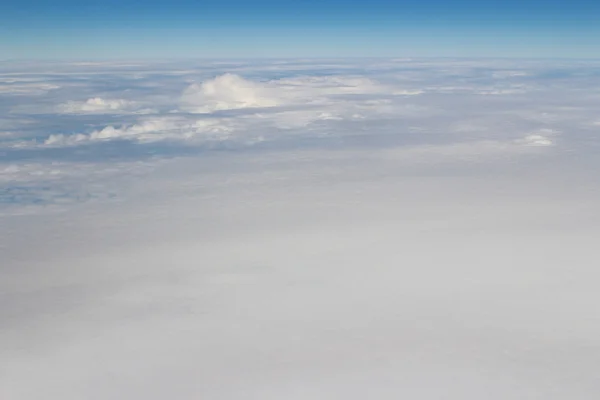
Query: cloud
383, 105
148, 130
542, 137
482, 151
231, 91
96, 105
342, 239
228, 92
535, 140
16, 87
306, 86
266, 275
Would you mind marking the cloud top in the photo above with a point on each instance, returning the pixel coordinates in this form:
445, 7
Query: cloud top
148, 130
228, 92
96, 105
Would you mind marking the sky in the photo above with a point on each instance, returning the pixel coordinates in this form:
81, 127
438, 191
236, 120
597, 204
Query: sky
299, 200
69, 29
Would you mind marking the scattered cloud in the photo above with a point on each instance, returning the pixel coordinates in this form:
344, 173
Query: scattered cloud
148, 130
96, 105
535, 140
16, 87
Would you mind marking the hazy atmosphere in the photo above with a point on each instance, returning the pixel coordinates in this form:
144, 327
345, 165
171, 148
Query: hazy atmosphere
277, 218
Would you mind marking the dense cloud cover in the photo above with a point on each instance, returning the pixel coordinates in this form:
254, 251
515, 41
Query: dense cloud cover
304, 229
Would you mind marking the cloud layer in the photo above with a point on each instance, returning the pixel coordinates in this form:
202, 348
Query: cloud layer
345, 229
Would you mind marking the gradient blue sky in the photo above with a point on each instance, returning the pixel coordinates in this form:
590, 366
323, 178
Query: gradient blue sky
70, 29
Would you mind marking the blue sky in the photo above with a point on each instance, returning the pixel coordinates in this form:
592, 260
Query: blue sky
70, 29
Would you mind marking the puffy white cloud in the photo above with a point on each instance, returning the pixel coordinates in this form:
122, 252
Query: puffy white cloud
148, 130
284, 104
96, 104
302, 106
229, 91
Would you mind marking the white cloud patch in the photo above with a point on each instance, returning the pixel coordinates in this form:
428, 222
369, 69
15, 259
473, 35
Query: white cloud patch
535, 140
96, 105
148, 130
542, 137
227, 92
16, 87
484, 151
230, 91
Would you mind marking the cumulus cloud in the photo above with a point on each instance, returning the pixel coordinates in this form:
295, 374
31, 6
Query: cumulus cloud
227, 92
230, 91
284, 104
96, 105
148, 130
302, 106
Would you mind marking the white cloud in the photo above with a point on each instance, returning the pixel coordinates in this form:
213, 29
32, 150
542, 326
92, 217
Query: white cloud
307, 86
317, 273
301, 106
147, 130
535, 140
26, 88
542, 137
228, 91
486, 151
96, 105
342, 240
509, 74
